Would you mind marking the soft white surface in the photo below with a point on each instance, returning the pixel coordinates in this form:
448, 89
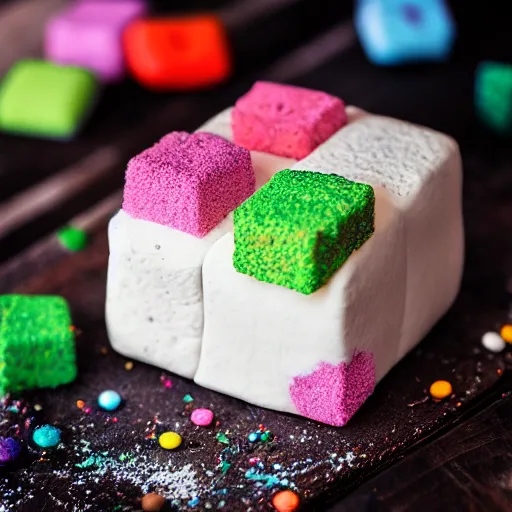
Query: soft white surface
422, 171
154, 308
257, 335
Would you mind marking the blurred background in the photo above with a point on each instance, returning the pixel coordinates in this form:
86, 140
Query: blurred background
156, 66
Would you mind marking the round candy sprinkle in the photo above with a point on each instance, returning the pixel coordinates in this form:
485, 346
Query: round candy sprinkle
253, 437
128, 366
493, 341
169, 440
46, 436
440, 389
109, 400
201, 417
152, 502
285, 501
10, 450
506, 333
73, 239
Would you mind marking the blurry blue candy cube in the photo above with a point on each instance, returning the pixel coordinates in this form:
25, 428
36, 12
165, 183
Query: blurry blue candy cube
396, 32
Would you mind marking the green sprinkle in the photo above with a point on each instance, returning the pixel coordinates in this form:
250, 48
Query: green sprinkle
73, 239
224, 466
187, 399
493, 95
222, 438
87, 463
37, 346
299, 228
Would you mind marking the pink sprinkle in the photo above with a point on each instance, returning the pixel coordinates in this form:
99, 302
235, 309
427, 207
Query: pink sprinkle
254, 460
286, 120
188, 182
87, 410
166, 383
333, 393
202, 417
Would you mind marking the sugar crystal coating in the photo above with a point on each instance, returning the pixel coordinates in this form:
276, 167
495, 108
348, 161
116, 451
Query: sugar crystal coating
286, 120
301, 227
188, 182
37, 347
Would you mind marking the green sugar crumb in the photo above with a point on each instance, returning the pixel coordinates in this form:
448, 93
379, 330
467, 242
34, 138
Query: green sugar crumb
493, 96
73, 239
299, 228
37, 346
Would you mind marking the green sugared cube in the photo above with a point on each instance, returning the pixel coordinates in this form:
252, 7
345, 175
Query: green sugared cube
493, 95
301, 227
44, 99
37, 344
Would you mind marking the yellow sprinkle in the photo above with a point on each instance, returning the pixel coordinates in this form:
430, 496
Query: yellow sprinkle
440, 389
128, 366
506, 333
169, 440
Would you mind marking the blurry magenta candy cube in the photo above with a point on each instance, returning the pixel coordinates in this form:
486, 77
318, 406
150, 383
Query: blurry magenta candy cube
89, 34
395, 32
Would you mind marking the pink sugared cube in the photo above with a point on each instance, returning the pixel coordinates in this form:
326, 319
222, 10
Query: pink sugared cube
285, 120
188, 182
88, 34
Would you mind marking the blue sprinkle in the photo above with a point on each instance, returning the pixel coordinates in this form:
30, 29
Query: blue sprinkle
193, 502
109, 400
46, 436
253, 437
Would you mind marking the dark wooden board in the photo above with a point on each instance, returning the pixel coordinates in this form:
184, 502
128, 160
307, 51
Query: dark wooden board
325, 463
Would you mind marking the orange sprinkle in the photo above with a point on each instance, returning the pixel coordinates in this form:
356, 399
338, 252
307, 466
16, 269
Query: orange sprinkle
440, 389
80, 404
506, 333
128, 366
285, 501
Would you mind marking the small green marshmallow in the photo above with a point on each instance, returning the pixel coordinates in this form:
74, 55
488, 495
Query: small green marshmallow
73, 239
43, 99
493, 95
37, 346
301, 227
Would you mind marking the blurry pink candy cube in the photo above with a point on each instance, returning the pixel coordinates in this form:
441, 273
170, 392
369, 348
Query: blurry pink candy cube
88, 34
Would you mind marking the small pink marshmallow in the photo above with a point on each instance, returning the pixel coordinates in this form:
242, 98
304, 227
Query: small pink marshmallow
285, 120
188, 182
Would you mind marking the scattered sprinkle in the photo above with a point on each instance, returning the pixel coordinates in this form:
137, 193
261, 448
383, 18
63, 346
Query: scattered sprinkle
152, 502
506, 333
222, 438
169, 440
188, 398
109, 400
80, 404
46, 436
440, 389
493, 341
73, 239
285, 501
166, 382
128, 366
38, 407
193, 502
10, 450
201, 417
